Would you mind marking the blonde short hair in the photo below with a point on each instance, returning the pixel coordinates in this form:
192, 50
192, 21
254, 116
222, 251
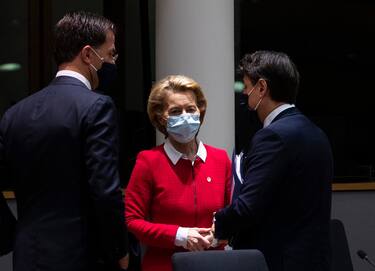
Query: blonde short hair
174, 83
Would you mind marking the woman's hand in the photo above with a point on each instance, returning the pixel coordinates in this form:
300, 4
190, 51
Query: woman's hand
199, 239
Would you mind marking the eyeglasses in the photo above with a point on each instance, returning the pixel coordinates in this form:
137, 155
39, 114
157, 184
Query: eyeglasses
114, 56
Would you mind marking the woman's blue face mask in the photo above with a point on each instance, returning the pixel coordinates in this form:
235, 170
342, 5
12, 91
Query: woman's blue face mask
183, 127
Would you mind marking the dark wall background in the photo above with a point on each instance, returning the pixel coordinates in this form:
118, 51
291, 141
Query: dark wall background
331, 43
27, 28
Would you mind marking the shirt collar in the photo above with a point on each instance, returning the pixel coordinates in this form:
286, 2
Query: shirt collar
271, 116
174, 155
76, 75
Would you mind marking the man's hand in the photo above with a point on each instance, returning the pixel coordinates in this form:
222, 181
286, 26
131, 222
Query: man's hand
124, 262
216, 241
208, 235
197, 240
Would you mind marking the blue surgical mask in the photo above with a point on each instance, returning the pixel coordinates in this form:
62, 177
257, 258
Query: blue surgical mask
184, 127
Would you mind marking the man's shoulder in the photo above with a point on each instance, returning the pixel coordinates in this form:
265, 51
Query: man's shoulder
73, 88
283, 129
296, 129
75, 91
290, 124
73, 97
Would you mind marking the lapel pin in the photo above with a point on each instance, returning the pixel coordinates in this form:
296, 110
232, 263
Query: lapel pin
209, 179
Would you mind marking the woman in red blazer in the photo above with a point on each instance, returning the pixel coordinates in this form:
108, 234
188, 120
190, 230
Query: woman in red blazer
175, 187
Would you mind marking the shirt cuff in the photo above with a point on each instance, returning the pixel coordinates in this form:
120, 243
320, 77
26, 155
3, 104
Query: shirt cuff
181, 237
215, 242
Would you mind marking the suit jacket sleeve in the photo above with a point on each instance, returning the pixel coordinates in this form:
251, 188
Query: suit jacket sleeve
7, 220
101, 156
138, 199
228, 181
267, 163
3, 169
5, 181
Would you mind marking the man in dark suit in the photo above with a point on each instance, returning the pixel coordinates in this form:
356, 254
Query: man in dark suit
59, 147
7, 227
7, 219
283, 206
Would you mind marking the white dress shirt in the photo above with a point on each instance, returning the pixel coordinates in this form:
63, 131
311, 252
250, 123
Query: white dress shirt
174, 155
271, 116
76, 75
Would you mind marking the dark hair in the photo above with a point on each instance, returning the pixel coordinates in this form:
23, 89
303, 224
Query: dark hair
76, 30
277, 69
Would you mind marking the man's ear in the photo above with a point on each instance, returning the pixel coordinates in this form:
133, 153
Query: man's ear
263, 87
85, 54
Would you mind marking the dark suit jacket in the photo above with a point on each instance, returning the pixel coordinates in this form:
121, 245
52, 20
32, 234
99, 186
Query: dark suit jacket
283, 208
7, 219
7, 227
60, 150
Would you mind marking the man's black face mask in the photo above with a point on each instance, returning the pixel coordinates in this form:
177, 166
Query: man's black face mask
106, 75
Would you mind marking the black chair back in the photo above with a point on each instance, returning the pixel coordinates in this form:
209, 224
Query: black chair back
341, 260
220, 260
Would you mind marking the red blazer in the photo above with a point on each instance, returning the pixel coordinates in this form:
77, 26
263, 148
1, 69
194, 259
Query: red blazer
161, 196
